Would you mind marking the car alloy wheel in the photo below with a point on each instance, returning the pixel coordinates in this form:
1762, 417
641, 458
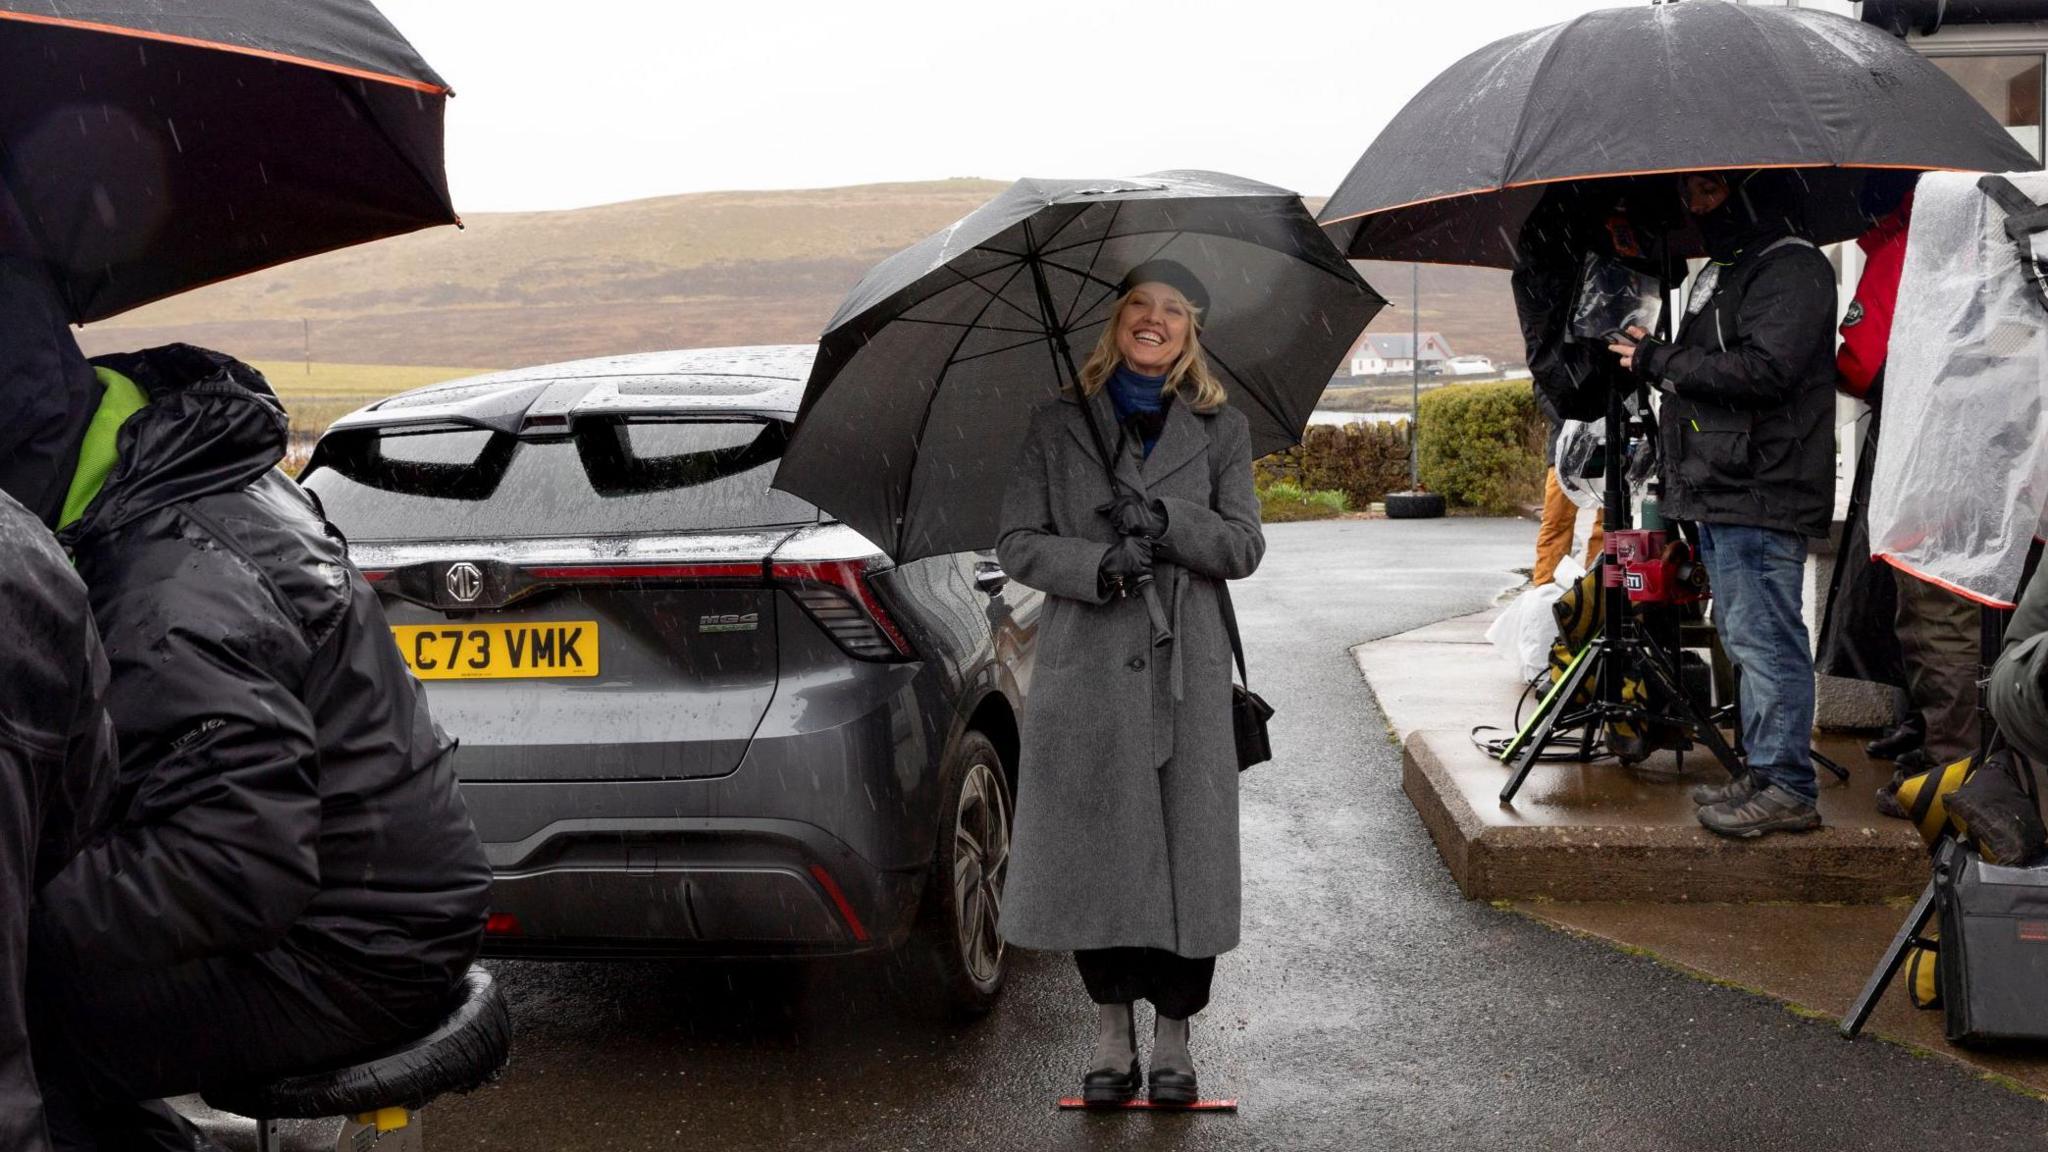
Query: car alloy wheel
981, 860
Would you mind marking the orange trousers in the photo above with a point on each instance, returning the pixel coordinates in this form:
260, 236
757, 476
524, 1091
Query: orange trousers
1554, 538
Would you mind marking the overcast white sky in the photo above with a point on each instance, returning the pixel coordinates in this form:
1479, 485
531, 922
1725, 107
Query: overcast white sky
561, 105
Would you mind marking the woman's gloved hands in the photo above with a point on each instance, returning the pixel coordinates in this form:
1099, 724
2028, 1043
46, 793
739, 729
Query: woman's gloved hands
1127, 560
1136, 516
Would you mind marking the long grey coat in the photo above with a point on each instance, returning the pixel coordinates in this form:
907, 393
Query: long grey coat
1126, 829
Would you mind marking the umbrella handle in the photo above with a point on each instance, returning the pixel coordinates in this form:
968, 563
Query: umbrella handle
1162, 632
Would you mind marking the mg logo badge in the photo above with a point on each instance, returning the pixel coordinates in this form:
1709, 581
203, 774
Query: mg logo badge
465, 582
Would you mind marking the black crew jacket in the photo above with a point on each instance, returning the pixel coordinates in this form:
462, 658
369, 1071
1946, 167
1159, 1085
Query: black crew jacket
1747, 421
282, 784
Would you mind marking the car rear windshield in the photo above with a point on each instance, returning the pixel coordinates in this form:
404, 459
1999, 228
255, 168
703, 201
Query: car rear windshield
610, 477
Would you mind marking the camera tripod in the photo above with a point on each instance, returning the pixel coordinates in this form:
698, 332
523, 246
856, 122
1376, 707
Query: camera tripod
1621, 648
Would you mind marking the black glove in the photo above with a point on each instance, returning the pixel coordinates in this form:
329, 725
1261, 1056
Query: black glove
1647, 349
1136, 516
1128, 559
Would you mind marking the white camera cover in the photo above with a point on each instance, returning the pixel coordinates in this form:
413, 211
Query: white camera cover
1961, 480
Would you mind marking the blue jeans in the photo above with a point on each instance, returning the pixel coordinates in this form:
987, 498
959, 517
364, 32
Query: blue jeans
1758, 575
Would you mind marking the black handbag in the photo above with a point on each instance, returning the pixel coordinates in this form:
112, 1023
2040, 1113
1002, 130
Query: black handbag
1249, 711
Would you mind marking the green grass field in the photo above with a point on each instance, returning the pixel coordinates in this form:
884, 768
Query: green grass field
318, 394
295, 378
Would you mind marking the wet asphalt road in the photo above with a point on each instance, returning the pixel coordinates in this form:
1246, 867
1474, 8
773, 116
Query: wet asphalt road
1369, 1007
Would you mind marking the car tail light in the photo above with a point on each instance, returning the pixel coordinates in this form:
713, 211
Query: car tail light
501, 924
837, 595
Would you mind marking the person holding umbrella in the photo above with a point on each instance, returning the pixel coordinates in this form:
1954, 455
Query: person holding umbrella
948, 410
1126, 844
1748, 438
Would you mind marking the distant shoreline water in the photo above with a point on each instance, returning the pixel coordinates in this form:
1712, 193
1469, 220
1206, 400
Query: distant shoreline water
1325, 416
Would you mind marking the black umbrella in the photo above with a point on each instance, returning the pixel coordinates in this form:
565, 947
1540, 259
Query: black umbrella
155, 147
926, 378
1677, 87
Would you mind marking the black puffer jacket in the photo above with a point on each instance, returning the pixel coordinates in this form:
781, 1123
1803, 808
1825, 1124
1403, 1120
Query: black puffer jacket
56, 769
284, 784
1747, 420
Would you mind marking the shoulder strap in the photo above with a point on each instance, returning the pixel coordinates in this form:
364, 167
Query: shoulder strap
2024, 219
1230, 626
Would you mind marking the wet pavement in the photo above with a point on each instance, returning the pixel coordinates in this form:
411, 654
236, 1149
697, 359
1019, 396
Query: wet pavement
1369, 1007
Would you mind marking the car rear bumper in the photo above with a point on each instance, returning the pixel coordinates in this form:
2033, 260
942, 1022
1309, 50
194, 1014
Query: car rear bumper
692, 887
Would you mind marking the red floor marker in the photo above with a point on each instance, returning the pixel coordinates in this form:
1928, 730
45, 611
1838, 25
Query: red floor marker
1075, 1103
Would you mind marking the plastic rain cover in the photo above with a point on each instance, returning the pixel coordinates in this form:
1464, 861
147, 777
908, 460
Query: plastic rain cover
1962, 461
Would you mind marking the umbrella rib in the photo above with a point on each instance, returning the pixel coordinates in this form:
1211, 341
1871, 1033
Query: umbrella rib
1108, 230
956, 361
1040, 246
938, 383
1088, 277
993, 296
960, 324
1337, 273
1248, 390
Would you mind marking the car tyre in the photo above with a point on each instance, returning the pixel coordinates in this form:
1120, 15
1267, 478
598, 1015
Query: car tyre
956, 954
1414, 505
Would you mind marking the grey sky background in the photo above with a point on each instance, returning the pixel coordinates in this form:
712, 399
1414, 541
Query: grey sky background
566, 105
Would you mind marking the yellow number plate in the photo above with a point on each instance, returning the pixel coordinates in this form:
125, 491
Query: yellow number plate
499, 651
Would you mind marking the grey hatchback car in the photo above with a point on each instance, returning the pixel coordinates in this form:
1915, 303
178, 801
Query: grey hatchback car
696, 716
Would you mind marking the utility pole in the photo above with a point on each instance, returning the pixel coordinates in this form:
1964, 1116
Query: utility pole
1415, 377
306, 342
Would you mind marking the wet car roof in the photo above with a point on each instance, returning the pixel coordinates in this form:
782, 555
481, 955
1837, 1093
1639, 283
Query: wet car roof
767, 379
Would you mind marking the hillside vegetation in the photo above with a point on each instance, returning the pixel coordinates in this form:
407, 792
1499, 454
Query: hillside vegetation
511, 289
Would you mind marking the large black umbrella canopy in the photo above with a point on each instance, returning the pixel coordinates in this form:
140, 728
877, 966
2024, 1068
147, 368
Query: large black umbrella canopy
926, 378
1693, 86
154, 147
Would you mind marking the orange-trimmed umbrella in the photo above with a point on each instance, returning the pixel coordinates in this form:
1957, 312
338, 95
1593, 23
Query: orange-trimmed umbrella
151, 148
1667, 88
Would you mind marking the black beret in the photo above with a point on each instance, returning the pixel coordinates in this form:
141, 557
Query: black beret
1169, 272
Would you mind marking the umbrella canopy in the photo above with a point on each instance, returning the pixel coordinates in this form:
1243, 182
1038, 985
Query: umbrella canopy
152, 148
1677, 87
926, 378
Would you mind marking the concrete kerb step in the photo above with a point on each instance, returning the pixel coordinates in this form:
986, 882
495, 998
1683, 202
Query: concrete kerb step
1597, 831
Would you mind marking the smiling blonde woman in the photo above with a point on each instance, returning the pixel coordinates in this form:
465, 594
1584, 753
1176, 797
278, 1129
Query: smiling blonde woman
1126, 844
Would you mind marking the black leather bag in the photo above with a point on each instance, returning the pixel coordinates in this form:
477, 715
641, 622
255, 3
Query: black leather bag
1249, 711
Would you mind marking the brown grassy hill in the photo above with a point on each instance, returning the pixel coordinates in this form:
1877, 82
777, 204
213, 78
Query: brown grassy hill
680, 271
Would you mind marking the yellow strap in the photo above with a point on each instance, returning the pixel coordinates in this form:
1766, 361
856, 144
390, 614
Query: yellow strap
385, 1119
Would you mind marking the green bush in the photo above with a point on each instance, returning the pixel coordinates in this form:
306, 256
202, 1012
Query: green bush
1364, 461
1281, 501
1482, 445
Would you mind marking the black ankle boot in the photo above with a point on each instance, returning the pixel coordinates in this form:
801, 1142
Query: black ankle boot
1911, 733
1111, 1087
1173, 1066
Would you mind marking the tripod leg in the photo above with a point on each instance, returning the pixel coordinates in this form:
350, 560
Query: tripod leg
1888, 967
1827, 762
1653, 661
1549, 713
1554, 700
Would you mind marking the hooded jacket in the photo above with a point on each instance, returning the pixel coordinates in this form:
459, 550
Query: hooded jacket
1572, 378
56, 770
282, 783
1747, 421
